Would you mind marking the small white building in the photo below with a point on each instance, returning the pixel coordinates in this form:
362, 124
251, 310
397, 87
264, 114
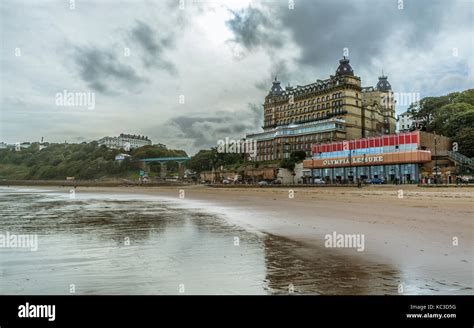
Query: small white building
16, 146
405, 122
121, 157
125, 141
288, 177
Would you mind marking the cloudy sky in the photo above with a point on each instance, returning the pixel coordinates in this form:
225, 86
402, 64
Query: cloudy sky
138, 57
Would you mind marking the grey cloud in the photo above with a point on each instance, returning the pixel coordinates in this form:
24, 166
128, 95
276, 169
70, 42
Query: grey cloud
253, 28
322, 29
153, 46
280, 70
204, 129
105, 73
101, 68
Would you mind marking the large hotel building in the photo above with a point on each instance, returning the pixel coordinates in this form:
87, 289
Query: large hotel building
338, 108
348, 132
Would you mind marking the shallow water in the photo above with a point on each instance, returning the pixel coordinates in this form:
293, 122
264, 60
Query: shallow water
98, 243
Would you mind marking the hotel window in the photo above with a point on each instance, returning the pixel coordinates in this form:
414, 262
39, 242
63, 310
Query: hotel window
317, 116
327, 98
318, 99
318, 107
322, 106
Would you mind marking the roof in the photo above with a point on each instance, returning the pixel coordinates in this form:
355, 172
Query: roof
383, 84
344, 67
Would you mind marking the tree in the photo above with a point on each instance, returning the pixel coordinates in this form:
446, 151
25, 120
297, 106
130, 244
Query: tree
465, 140
298, 156
449, 118
288, 164
202, 161
84, 161
451, 115
156, 151
466, 96
205, 160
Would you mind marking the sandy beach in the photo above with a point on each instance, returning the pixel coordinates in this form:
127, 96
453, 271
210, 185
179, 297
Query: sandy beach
424, 234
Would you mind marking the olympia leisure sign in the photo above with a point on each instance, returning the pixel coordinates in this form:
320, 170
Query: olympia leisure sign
356, 160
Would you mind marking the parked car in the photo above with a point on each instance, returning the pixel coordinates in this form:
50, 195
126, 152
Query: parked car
276, 181
375, 181
226, 181
319, 181
263, 183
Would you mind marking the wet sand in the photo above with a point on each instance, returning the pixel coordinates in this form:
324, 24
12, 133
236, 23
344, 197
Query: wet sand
408, 240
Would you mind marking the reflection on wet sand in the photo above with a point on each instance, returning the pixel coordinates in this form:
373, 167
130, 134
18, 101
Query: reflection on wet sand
111, 244
321, 271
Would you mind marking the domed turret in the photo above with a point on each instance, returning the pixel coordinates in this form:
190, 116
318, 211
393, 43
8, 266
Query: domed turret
276, 88
383, 84
344, 67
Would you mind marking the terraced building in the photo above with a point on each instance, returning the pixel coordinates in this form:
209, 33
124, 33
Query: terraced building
337, 108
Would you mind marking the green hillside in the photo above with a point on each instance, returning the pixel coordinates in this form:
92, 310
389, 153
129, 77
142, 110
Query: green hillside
83, 161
